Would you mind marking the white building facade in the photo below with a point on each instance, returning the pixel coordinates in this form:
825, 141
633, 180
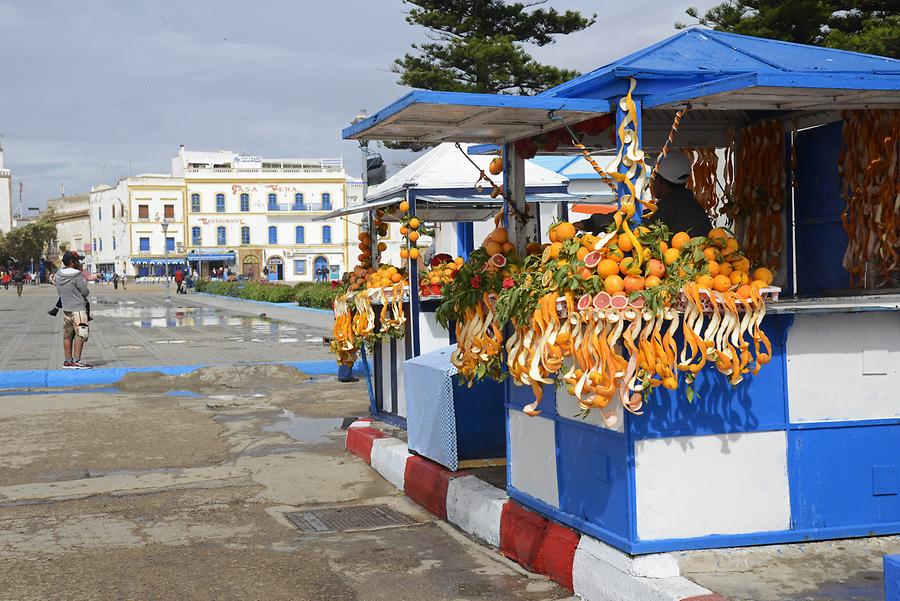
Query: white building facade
6, 212
71, 214
257, 217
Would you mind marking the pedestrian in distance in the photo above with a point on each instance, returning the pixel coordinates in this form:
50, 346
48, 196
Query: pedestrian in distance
18, 279
179, 282
5, 278
115, 280
73, 296
124, 280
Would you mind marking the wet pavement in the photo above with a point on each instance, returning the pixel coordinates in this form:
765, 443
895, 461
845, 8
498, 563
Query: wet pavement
176, 487
138, 327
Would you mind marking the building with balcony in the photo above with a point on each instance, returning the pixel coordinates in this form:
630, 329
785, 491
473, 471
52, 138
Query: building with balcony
256, 216
138, 226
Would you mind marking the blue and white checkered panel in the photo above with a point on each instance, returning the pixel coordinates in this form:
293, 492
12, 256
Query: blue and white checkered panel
431, 416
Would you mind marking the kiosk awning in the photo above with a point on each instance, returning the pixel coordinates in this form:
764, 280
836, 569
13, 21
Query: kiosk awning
428, 116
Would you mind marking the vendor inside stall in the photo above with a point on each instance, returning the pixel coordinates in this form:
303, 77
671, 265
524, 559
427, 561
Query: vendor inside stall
678, 208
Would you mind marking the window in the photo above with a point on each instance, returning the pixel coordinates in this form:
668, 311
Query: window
245, 202
143, 211
195, 203
220, 203
326, 234
195, 236
300, 267
169, 211
144, 244
114, 214
273, 202
170, 244
99, 213
245, 235
101, 245
298, 201
94, 247
300, 235
326, 201
220, 236
114, 243
273, 234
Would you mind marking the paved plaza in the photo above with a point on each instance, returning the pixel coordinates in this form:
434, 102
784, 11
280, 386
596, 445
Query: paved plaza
165, 487
138, 327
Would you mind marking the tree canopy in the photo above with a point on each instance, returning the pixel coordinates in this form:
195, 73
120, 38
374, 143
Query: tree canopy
477, 46
870, 26
28, 243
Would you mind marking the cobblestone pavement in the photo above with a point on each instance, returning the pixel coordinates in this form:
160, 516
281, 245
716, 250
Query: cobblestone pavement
138, 327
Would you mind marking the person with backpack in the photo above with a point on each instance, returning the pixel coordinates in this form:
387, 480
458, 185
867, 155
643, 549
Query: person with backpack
18, 279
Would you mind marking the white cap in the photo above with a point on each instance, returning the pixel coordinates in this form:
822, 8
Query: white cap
675, 168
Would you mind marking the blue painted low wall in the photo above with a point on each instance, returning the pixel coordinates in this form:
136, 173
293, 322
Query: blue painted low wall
892, 577
54, 378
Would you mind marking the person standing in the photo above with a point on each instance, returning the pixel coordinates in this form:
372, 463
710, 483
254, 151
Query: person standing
179, 280
19, 279
73, 294
115, 280
5, 278
124, 279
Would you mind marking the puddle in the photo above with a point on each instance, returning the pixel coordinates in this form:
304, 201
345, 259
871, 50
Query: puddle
305, 429
13, 392
176, 317
188, 393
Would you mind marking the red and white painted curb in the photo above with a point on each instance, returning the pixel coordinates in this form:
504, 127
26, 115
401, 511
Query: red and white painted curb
591, 569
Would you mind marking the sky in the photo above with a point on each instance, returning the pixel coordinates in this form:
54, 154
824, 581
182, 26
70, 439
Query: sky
94, 90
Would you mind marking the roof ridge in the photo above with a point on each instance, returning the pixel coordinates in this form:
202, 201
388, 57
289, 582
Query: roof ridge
716, 33
716, 39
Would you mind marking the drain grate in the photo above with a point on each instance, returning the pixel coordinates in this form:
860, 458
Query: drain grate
340, 519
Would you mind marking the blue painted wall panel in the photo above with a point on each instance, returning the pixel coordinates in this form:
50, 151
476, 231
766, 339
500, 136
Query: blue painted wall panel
592, 468
892, 577
757, 403
821, 239
845, 476
480, 420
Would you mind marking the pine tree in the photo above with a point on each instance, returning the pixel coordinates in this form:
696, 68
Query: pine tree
871, 26
477, 46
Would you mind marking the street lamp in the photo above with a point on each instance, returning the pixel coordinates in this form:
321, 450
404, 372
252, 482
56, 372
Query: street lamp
165, 228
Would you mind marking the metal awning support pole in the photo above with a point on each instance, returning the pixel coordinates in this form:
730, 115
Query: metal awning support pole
414, 306
522, 228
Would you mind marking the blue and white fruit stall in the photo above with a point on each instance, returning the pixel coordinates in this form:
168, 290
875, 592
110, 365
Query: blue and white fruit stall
748, 394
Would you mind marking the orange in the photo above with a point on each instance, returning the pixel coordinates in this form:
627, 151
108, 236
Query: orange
551, 235
404, 253
413, 223
671, 255
499, 235
651, 281
680, 239
588, 240
718, 236
607, 267
404, 230
625, 243
759, 284
555, 249
413, 253
396, 277
721, 283
740, 263
615, 254
363, 236
382, 247
565, 231
713, 268
582, 253
459, 260
725, 268
413, 236
704, 281
764, 274
663, 246
633, 283
711, 253
731, 247
629, 266
496, 166
492, 248
613, 284
745, 291
404, 206
655, 267
585, 273
508, 247
739, 278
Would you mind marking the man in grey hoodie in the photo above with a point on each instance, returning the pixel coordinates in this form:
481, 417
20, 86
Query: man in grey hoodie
73, 293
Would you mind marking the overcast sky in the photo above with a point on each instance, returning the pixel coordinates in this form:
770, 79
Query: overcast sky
88, 86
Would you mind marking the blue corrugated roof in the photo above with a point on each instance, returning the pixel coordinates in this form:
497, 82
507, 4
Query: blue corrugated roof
555, 163
697, 55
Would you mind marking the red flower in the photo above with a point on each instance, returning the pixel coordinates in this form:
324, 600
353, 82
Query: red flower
508, 283
476, 281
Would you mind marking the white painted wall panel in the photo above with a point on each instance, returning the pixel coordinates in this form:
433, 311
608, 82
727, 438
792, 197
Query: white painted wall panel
567, 406
431, 335
701, 485
387, 374
532, 452
401, 387
844, 366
